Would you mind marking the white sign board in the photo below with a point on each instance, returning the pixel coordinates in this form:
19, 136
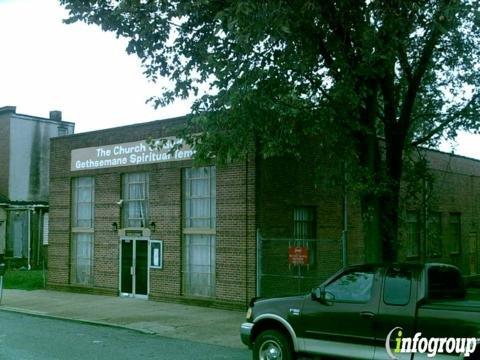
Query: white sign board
132, 153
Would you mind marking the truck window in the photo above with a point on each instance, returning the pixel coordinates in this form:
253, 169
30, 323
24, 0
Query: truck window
445, 282
396, 290
355, 286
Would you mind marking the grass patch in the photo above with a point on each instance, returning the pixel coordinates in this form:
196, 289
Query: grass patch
23, 279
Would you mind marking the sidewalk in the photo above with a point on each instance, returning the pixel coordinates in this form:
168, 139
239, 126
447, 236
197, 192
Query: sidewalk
206, 325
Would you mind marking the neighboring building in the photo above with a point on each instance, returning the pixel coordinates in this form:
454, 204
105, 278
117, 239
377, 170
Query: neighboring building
126, 220
24, 181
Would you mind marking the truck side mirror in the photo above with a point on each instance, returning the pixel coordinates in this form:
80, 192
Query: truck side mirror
2, 269
318, 293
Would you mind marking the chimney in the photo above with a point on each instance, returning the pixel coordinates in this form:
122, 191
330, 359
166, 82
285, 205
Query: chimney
56, 115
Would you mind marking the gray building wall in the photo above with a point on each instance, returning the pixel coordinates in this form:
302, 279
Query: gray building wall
29, 157
24, 179
5, 114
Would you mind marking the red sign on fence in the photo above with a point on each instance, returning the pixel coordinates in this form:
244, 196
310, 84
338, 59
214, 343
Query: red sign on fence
298, 255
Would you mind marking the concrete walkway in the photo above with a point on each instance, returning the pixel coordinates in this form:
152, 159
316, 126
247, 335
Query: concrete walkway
206, 325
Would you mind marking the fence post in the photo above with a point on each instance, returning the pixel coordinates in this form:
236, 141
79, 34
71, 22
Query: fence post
259, 263
2, 272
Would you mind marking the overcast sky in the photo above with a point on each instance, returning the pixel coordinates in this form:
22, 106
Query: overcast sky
78, 69
84, 72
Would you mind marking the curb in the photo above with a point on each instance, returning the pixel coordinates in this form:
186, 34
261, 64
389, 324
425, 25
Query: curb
80, 321
104, 324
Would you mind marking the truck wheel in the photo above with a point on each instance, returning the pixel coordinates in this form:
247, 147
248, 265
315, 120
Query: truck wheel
272, 345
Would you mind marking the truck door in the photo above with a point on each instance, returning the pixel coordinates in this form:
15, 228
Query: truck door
343, 324
397, 310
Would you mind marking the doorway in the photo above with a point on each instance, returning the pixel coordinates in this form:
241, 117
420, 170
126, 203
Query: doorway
134, 273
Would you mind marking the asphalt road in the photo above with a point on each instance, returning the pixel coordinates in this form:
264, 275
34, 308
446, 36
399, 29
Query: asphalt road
25, 337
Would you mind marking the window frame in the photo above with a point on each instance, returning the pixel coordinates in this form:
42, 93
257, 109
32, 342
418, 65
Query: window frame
453, 240
310, 239
417, 235
189, 231
439, 239
79, 230
144, 202
187, 221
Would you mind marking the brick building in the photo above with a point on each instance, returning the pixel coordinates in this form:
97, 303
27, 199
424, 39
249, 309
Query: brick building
126, 220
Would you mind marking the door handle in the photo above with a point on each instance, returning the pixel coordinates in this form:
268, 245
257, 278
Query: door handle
367, 315
132, 270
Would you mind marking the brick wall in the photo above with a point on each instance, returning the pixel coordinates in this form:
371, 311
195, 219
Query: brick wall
253, 195
455, 188
235, 231
285, 183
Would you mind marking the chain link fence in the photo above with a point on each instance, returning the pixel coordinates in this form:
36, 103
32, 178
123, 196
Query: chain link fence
294, 266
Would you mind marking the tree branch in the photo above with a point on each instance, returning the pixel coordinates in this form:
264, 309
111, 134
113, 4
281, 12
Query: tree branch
402, 57
424, 61
443, 124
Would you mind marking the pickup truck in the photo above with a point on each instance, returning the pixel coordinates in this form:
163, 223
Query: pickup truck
372, 311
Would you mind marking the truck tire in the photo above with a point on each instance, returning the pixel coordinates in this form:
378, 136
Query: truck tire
272, 345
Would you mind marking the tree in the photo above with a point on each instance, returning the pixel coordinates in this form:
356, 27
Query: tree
366, 80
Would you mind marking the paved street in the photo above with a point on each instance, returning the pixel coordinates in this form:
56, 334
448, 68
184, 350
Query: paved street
182, 322
25, 337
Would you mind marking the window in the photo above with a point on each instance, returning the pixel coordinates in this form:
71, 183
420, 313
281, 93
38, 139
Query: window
397, 287
199, 221
355, 286
434, 234
413, 234
445, 282
304, 230
199, 206
45, 229
82, 230
454, 233
135, 200
304, 223
62, 131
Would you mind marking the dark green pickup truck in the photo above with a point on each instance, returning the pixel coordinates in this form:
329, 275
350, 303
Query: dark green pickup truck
401, 311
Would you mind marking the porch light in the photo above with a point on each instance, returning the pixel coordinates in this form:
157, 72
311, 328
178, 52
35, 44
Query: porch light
153, 226
114, 227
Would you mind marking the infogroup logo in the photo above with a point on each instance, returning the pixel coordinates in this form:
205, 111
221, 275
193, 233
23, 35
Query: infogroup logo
429, 346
